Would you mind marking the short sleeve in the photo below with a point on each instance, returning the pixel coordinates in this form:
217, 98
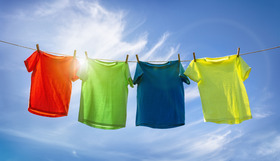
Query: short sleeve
74, 70
192, 72
82, 72
138, 74
183, 77
31, 61
243, 68
128, 76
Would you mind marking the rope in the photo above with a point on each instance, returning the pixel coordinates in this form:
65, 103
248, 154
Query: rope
260, 50
17, 45
252, 52
30, 48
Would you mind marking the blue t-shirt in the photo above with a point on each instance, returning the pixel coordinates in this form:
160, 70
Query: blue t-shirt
160, 94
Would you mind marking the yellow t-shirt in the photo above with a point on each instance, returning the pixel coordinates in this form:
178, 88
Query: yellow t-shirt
220, 82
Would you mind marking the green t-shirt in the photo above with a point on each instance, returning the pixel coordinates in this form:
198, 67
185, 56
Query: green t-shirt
104, 93
220, 82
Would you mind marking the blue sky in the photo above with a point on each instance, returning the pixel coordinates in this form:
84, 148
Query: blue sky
155, 30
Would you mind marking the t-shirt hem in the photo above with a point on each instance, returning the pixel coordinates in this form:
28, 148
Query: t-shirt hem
46, 114
101, 125
229, 121
160, 126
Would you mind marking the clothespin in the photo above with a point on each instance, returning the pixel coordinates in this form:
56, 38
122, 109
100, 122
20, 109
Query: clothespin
238, 50
37, 46
126, 58
137, 58
179, 58
74, 54
86, 54
194, 57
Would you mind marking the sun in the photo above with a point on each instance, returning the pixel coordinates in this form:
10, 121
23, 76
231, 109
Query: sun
82, 62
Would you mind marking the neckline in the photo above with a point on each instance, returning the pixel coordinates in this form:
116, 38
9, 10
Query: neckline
166, 64
218, 59
53, 56
104, 63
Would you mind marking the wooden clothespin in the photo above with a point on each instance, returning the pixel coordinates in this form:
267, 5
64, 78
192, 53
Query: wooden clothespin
179, 58
37, 46
194, 57
126, 58
74, 54
137, 58
238, 50
86, 54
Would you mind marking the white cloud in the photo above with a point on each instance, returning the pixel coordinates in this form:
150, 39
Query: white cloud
262, 115
152, 51
211, 143
74, 152
98, 31
46, 8
172, 51
196, 144
80, 25
36, 136
260, 106
195, 123
271, 148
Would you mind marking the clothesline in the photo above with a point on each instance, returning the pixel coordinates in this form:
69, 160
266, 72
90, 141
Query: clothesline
252, 52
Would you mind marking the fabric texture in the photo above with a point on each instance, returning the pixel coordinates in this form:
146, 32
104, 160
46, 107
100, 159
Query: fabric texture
104, 93
51, 84
160, 94
222, 91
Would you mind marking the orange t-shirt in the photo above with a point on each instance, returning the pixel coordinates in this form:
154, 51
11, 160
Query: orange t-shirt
50, 83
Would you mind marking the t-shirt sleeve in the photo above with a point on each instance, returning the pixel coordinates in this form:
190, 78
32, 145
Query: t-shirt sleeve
31, 61
243, 68
74, 70
192, 72
183, 77
138, 74
82, 72
128, 76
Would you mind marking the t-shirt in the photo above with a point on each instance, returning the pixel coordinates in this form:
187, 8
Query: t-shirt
160, 94
222, 91
50, 83
104, 93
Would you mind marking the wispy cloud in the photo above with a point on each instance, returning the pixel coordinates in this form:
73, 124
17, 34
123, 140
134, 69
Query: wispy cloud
161, 41
260, 107
83, 26
182, 145
261, 115
270, 148
99, 31
172, 51
46, 8
212, 142
74, 152
195, 123
40, 139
